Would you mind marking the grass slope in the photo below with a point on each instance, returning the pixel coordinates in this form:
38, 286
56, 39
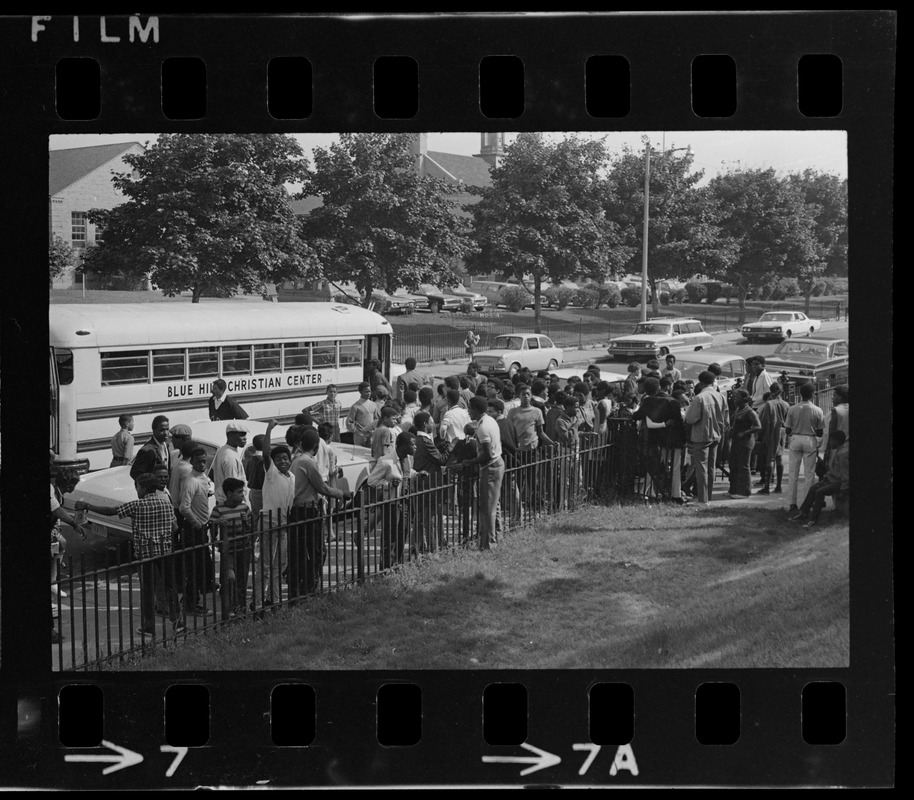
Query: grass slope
621, 587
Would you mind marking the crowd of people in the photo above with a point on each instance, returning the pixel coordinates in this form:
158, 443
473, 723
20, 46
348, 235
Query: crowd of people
439, 448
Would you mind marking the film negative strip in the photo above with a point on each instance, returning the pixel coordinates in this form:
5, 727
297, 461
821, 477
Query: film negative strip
747, 703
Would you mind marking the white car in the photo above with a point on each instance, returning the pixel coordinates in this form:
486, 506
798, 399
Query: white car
780, 325
113, 486
512, 351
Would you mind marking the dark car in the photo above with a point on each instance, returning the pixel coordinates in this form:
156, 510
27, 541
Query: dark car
823, 361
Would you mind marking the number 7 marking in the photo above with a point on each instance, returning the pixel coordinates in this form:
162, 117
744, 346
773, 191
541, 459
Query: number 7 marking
176, 761
594, 749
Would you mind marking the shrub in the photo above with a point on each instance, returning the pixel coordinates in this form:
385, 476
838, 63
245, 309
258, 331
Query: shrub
695, 291
729, 292
515, 297
587, 297
819, 288
784, 288
560, 296
116, 282
835, 285
715, 290
664, 298
613, 295
677, 296
631, 295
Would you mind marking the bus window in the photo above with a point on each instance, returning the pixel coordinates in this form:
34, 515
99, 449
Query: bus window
350, 354
267, 358
296, 355
324, 355
64, 361
203, 362
125, 367
167, 365
236, 360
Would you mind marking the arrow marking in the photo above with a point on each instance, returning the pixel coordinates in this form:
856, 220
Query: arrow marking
541, 760
176, 762
124, 758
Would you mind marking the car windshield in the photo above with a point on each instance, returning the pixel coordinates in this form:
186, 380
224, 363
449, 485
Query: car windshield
690, 369
652, 328
803, 348
776, 317
508, 343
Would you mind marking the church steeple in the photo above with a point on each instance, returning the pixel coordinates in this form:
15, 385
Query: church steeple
492, 147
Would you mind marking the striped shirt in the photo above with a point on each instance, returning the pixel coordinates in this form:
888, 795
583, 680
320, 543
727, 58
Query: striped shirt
152, 517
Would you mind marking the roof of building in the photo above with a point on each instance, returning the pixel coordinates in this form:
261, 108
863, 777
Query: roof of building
470, 170
68, 166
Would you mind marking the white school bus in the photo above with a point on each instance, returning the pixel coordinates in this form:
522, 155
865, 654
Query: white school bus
146, 359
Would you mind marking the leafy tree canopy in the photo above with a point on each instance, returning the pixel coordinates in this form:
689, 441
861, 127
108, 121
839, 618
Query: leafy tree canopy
381, 225
684, 232
543, 218
827, 195
771, 226
206, 213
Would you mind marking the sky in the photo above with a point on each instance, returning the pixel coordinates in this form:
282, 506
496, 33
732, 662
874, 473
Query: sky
713, 151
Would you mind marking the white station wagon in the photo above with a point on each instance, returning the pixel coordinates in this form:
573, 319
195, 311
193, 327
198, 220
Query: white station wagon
512, 351
780, 325
659, 336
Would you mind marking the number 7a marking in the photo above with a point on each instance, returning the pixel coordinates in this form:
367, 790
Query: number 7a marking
594, 750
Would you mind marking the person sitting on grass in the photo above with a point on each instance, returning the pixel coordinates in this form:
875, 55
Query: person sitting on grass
836, 481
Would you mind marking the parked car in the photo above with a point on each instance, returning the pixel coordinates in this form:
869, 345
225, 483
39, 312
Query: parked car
492, 290
612, 378
477, 300
657, 337
439, 300
733, 367
114, 486
823, 361
386, 303
780, 325
512, 351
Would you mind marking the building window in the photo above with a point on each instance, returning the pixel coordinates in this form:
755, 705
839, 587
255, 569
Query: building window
78, 228
99, 235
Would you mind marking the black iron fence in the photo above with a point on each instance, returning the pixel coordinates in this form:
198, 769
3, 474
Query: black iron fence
111, 611
108, 612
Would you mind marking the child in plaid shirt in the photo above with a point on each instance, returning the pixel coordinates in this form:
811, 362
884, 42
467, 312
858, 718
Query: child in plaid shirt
232, 518
328, 410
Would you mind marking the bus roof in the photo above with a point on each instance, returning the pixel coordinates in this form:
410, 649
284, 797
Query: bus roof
147, 324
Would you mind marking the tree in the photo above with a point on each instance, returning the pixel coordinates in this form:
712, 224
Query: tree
684, 234
381, 225
771, 227
825, 196
60, 257
542, 219
205, 213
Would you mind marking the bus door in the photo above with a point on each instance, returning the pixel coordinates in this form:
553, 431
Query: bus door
377, 347
55, 401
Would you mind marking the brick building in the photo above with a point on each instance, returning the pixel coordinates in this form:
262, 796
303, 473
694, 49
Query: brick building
79, 179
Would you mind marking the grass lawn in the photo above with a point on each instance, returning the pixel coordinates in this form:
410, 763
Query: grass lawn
602, 587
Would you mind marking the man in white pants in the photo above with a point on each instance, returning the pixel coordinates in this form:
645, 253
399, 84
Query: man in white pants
803, 427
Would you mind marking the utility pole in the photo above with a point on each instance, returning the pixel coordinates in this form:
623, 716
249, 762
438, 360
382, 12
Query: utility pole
647, 204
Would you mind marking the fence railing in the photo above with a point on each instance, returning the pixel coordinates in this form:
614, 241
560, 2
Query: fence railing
109, 612
122, 609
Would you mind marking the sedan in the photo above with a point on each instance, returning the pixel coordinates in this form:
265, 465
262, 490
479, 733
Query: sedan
733, 367
439, 300
510, 352
478, 301
780, 325
823, 361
